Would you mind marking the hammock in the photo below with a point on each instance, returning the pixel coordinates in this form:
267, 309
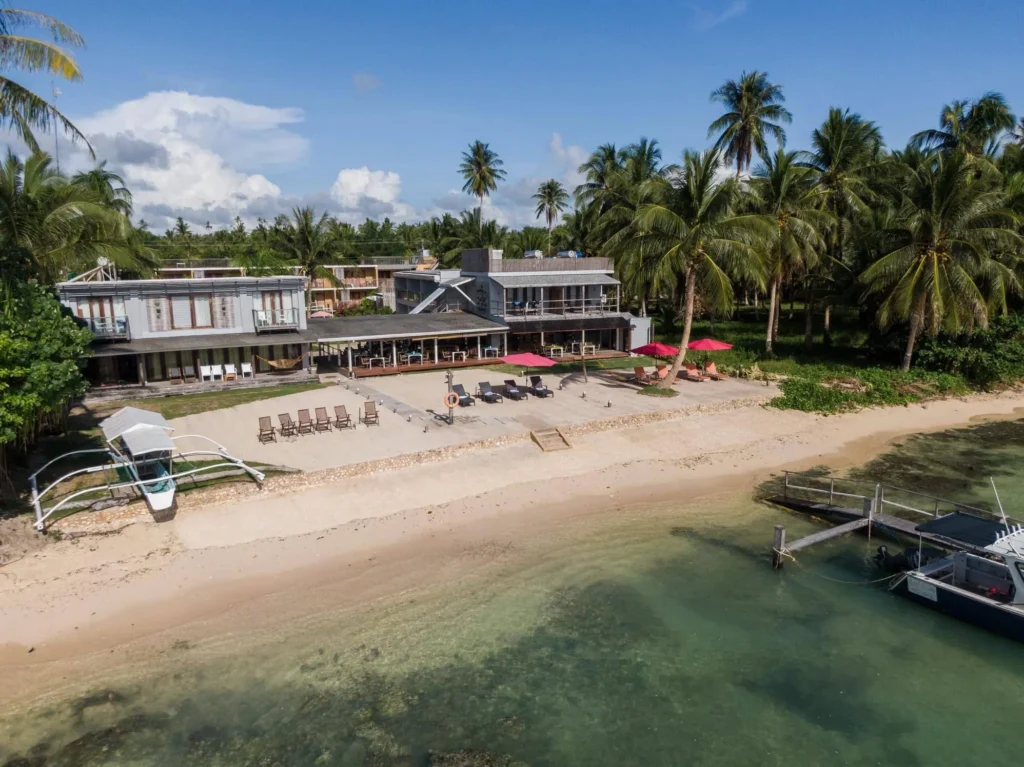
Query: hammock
281, 364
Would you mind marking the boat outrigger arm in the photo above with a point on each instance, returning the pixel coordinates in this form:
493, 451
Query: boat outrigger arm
139, 446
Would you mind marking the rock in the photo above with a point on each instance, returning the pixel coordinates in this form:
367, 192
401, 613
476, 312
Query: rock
471, 759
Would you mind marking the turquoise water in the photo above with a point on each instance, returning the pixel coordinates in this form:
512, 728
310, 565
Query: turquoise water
661, 638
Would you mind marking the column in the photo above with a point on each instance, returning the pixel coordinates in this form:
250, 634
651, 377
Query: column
435, 351
504, 337
394, 353
304, 351
542, 336
541, 309
583, 341
350, 359
479, 353
142, 369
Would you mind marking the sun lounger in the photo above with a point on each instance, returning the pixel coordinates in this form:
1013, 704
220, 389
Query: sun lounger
323, 421
189, 373
712, 372
341, 417
370, 414
246, 370
288, 427
641, 376
464, 399
207, 372
305, 422
230, 373
538, 388
267, 432
512, 390
487, 394
661, 373
690, 373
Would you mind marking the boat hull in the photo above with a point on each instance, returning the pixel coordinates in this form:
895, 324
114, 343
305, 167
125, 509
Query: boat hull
977, 610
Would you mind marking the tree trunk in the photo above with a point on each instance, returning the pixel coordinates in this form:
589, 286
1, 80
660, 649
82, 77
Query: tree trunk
691, 279
826, 336
808, 317
643, 305
770, 335
480, 221
778, 309
915, 328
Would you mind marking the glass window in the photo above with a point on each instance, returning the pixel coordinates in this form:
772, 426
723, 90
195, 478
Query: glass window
203, 313
181, 312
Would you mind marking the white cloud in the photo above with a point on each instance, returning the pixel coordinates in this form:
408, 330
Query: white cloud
353, 184
364, 82
707, 18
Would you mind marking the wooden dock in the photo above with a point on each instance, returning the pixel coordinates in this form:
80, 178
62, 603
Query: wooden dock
870, 514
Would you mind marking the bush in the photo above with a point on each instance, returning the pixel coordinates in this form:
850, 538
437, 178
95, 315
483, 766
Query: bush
985, 357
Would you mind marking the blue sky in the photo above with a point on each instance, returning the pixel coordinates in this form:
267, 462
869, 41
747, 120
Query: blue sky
364, 108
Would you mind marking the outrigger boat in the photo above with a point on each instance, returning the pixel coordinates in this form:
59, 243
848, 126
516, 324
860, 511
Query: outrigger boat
143, 455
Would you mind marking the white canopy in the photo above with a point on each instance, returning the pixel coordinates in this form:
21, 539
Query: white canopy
129, 418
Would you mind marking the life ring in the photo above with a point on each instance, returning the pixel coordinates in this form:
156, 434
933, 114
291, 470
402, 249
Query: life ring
451, 399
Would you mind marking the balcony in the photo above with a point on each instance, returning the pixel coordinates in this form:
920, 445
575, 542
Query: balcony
558, 307
108, 328
268, 320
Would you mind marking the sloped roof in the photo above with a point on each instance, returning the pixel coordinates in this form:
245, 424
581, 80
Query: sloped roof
552, 279
147, 439
128, 418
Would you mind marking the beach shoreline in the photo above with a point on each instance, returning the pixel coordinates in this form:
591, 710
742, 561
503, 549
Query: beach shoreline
81, 608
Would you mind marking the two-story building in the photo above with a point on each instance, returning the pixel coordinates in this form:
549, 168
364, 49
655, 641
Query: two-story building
151, 330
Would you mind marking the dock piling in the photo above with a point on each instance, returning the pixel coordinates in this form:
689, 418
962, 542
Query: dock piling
778, 546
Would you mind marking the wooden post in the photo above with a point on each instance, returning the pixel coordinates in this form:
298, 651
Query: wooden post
394, 353
479, 353
778, 546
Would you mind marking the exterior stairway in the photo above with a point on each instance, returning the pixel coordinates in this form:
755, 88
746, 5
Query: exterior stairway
549, 440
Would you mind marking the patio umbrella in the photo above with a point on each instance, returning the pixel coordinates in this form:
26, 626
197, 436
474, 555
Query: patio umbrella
708, 345
657, 349
320, 315
527, 360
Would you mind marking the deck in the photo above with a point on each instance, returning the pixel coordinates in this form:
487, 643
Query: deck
419, 367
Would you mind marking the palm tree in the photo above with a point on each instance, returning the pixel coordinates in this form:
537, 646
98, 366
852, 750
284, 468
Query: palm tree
306, 241
481, 169
22, 110
939, 267
61, 225
700, 239
107, 185
784, 191
754, 111
968, 126
551, 199
602, 163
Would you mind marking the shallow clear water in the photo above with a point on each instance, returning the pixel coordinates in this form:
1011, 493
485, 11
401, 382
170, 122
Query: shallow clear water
658, 639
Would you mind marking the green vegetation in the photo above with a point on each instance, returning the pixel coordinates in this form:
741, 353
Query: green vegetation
657, 391
181, 405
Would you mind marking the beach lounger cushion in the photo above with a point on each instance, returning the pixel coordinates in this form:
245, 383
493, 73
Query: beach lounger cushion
538, 388
487, 394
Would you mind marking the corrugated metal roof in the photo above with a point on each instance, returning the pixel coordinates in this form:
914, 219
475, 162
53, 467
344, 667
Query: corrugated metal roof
128, 418
147, 439
552, 280
401, 326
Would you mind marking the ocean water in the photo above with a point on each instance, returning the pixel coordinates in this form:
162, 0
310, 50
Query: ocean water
659, 637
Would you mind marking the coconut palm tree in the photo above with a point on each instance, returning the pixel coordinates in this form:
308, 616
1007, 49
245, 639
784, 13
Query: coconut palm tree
60, 225
108, 185
968, 126
784, 191
306, 241
551, 199
692, 223
939, 267
481, 170
754, 112
602, 163
21, 110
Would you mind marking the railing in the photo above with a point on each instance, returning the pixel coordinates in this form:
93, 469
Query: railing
275, 319
478, 262
555, 307
107, 327
196, 263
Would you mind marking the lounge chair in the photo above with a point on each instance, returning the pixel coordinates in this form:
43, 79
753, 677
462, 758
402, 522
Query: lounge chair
370, 414
174, 375
538, 388
230, 372
661, 373
189, 373
305, 422
288, 427
207, 372
712, 372
691, 373
512, 390
267, 432
323, 421
218, 372
341, 417
487, 394
464, 399
246, 370
641, 376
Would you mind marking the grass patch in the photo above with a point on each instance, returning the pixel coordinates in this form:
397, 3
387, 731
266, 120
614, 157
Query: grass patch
656, 391
179, 405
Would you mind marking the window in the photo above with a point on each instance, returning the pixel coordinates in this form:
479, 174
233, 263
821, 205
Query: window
189, 312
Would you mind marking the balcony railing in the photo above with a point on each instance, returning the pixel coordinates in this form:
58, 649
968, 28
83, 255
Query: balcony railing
108, 327
559, 307
195, 263
275, 319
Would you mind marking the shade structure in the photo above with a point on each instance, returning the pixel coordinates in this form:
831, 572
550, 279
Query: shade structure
321, 315
528, 360
708, 345
657, 349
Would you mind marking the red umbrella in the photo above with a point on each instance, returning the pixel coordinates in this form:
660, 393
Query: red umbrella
528, 360
657, 349
708, 345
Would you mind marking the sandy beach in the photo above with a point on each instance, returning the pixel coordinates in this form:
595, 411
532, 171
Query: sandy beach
79, 606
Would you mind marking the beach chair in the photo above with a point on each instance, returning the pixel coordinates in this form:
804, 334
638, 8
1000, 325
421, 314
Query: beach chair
230, 372
370, 414
691, 373
189, 373
712, 372
538, 388
641, 376
305, 422
217, 371
487, 394
267, 432
207, 372
247, 370
464, 399
660, 374
341, 418
288, 427
323, 421
512, 390
174, 375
